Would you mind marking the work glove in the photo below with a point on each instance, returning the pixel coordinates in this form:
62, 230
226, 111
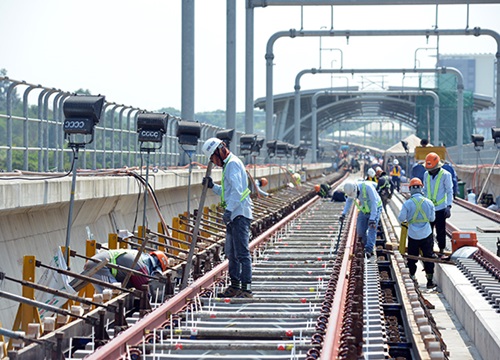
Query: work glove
447, 212
208, 180
341, 218
372, 224
226, 217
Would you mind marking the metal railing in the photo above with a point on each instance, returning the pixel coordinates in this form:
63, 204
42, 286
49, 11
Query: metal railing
32, 136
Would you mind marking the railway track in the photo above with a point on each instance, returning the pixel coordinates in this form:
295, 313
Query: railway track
315, 296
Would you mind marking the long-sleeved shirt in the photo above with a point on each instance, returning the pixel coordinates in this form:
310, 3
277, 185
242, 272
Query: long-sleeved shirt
419, 227
443, 197
448, 167
235, 185
371, 201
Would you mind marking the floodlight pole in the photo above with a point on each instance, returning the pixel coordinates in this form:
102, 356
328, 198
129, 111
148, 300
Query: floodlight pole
146, 188
75, 148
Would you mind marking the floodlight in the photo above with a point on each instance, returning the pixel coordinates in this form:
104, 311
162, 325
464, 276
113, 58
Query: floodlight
300, 152
405, 145
258, 145
271, 148
226, 136
247, 142
82, 113
281, 148
478, 141
151, 127
188, 132
495, 134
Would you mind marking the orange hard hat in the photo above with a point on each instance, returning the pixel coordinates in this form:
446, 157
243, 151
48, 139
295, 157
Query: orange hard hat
317, 187
162, 258
416, 182
432, 161
263, 182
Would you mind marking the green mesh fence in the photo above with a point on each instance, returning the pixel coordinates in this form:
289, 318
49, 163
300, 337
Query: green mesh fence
447, 92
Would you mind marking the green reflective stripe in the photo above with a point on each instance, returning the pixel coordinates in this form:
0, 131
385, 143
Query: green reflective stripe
113, 255
245, 193
433, 198
386, 182
365, 209
418, 210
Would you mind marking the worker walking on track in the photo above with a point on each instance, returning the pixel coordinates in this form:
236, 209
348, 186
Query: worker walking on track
149, 264
383, 186
235, 200
419, 211
396, 175
365, 197
438, 188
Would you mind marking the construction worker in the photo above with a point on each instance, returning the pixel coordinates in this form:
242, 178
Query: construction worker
371, 175
235, 200
396, 175
154, 263
322, 190
438, 187
419, 211
259, 183
383, 186
365, 197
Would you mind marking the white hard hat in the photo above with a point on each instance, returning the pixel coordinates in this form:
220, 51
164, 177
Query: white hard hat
371, 172
210, 145
395, 162
367, 150
351, 189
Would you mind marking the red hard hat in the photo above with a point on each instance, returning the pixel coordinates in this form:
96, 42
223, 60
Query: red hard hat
317, 187
416, 182
263, 182
162, 258
432, 161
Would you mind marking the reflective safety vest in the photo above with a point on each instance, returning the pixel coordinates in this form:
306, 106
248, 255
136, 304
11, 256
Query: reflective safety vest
245, 193
418, 210
433, 197
396, 171
365, 209
385, 184
113, 255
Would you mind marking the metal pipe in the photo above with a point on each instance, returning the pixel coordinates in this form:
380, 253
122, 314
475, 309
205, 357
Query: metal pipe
26, 125
292, 33
10, 91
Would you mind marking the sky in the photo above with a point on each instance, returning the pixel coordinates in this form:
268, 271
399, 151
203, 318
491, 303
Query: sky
130, 50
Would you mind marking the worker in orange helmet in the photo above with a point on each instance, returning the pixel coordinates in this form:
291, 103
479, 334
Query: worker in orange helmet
419, 212
438, 187
322, 190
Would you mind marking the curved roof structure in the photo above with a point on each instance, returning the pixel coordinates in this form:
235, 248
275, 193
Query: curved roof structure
345, 104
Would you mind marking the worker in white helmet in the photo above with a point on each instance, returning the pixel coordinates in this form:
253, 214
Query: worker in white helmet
235, 199
364, 195
395, 175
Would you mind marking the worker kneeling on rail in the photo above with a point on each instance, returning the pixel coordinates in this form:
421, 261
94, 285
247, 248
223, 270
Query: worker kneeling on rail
364, 195
153, 264
419, 212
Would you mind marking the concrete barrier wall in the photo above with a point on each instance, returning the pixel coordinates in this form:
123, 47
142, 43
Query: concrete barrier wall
34, 214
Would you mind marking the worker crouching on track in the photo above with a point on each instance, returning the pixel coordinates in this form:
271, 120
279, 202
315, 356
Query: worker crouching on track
438, 187
236, 201
151, 264
365, 197
322, 190
419, 211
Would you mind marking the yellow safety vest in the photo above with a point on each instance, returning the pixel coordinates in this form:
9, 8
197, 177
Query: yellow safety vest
245, 193
433, 197
365, 209
418, 210
113, 255
396, 171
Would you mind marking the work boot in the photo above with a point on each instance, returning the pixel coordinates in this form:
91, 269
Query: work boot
430, 283
231, 291
370, 257
246, 291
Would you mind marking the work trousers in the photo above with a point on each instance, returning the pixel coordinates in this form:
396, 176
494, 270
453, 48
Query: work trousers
237, 251
425, 247
440, 224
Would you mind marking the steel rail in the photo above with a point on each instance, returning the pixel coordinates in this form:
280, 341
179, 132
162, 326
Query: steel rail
334, 330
